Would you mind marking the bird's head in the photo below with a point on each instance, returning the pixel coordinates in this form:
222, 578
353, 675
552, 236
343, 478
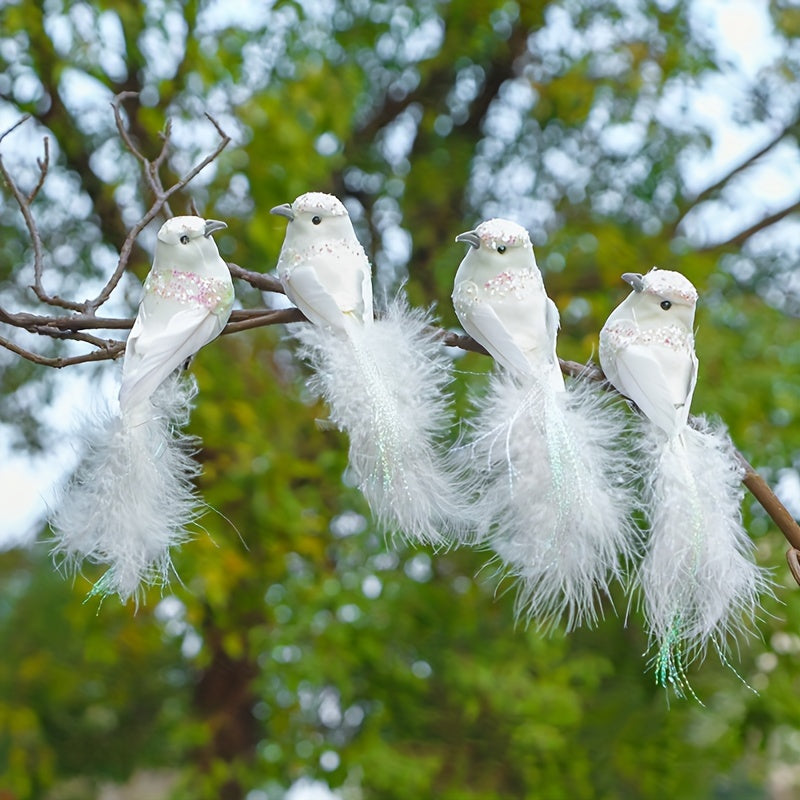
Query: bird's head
315, 215
187, 241
662, 297
501, 245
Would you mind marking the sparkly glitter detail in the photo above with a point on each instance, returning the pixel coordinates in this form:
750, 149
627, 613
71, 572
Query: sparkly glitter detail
516, 283
669, 285
341, 249
189, 288
495, 232
670, 661
319, 201
675, 649
625, 333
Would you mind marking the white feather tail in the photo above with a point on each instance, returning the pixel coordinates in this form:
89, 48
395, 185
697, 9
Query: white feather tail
554, 494
131, 496
385, 386
699, 581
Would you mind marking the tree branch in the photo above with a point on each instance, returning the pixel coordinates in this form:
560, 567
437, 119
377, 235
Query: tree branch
740, 238
112, 350
258, 280
161, 195
748, 161
24, 202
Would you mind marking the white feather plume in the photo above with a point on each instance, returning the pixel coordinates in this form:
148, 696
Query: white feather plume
553, 494
386, 386
699, 582
132, 495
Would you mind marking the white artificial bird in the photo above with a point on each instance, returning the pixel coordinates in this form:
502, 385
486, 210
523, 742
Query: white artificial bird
551, 485
384, 380
500, 300
698, 578
132, 494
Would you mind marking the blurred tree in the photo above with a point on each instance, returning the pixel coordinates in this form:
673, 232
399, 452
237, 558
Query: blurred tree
299, 643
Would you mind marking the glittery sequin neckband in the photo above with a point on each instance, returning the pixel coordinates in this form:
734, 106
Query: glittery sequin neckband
188, 287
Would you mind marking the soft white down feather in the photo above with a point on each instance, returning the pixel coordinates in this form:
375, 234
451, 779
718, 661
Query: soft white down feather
386, 387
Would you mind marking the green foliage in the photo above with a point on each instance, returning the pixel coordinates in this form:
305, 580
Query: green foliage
297, 641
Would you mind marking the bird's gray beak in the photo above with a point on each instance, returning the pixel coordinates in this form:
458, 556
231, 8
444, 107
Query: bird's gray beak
284, 210
471, 238
213, 225
634, 279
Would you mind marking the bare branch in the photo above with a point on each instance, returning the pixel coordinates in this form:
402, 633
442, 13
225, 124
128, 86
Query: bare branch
258, 280
748, 161
276, 316
24, 204
123, 131
78, 336
161, 195
111, 351
740, 238
150, 169
21, 121
44, 166
759, 488
74, 322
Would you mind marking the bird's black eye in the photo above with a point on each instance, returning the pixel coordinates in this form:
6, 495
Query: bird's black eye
184, 239
501, 248
316, 219
666, 305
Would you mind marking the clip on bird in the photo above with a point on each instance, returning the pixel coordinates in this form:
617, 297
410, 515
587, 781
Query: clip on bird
384, 380
698, 578
551, 484
132, 496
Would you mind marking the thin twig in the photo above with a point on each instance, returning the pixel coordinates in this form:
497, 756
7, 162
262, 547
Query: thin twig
759, 488
725, 179
112, 351
75, 322
258, 280
21, 121
78, 336
278, 316
24, 201
44, 166
161, 195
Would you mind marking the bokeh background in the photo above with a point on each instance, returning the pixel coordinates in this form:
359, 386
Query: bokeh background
301, 655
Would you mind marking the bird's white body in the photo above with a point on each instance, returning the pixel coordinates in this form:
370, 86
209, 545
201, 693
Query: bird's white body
698, 578
322, 266
647, 348
549, 481
500, 300
384, 380
132, 496
187, 300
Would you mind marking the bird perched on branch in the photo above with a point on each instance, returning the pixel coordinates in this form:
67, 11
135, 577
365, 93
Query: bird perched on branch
384, 380
550, 482
132, 497
698, 577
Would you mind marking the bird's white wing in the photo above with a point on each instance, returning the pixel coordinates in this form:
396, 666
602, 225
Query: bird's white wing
154, 350
553, 323
304, 288
482, 324
552, 320
660, 381
366, 295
